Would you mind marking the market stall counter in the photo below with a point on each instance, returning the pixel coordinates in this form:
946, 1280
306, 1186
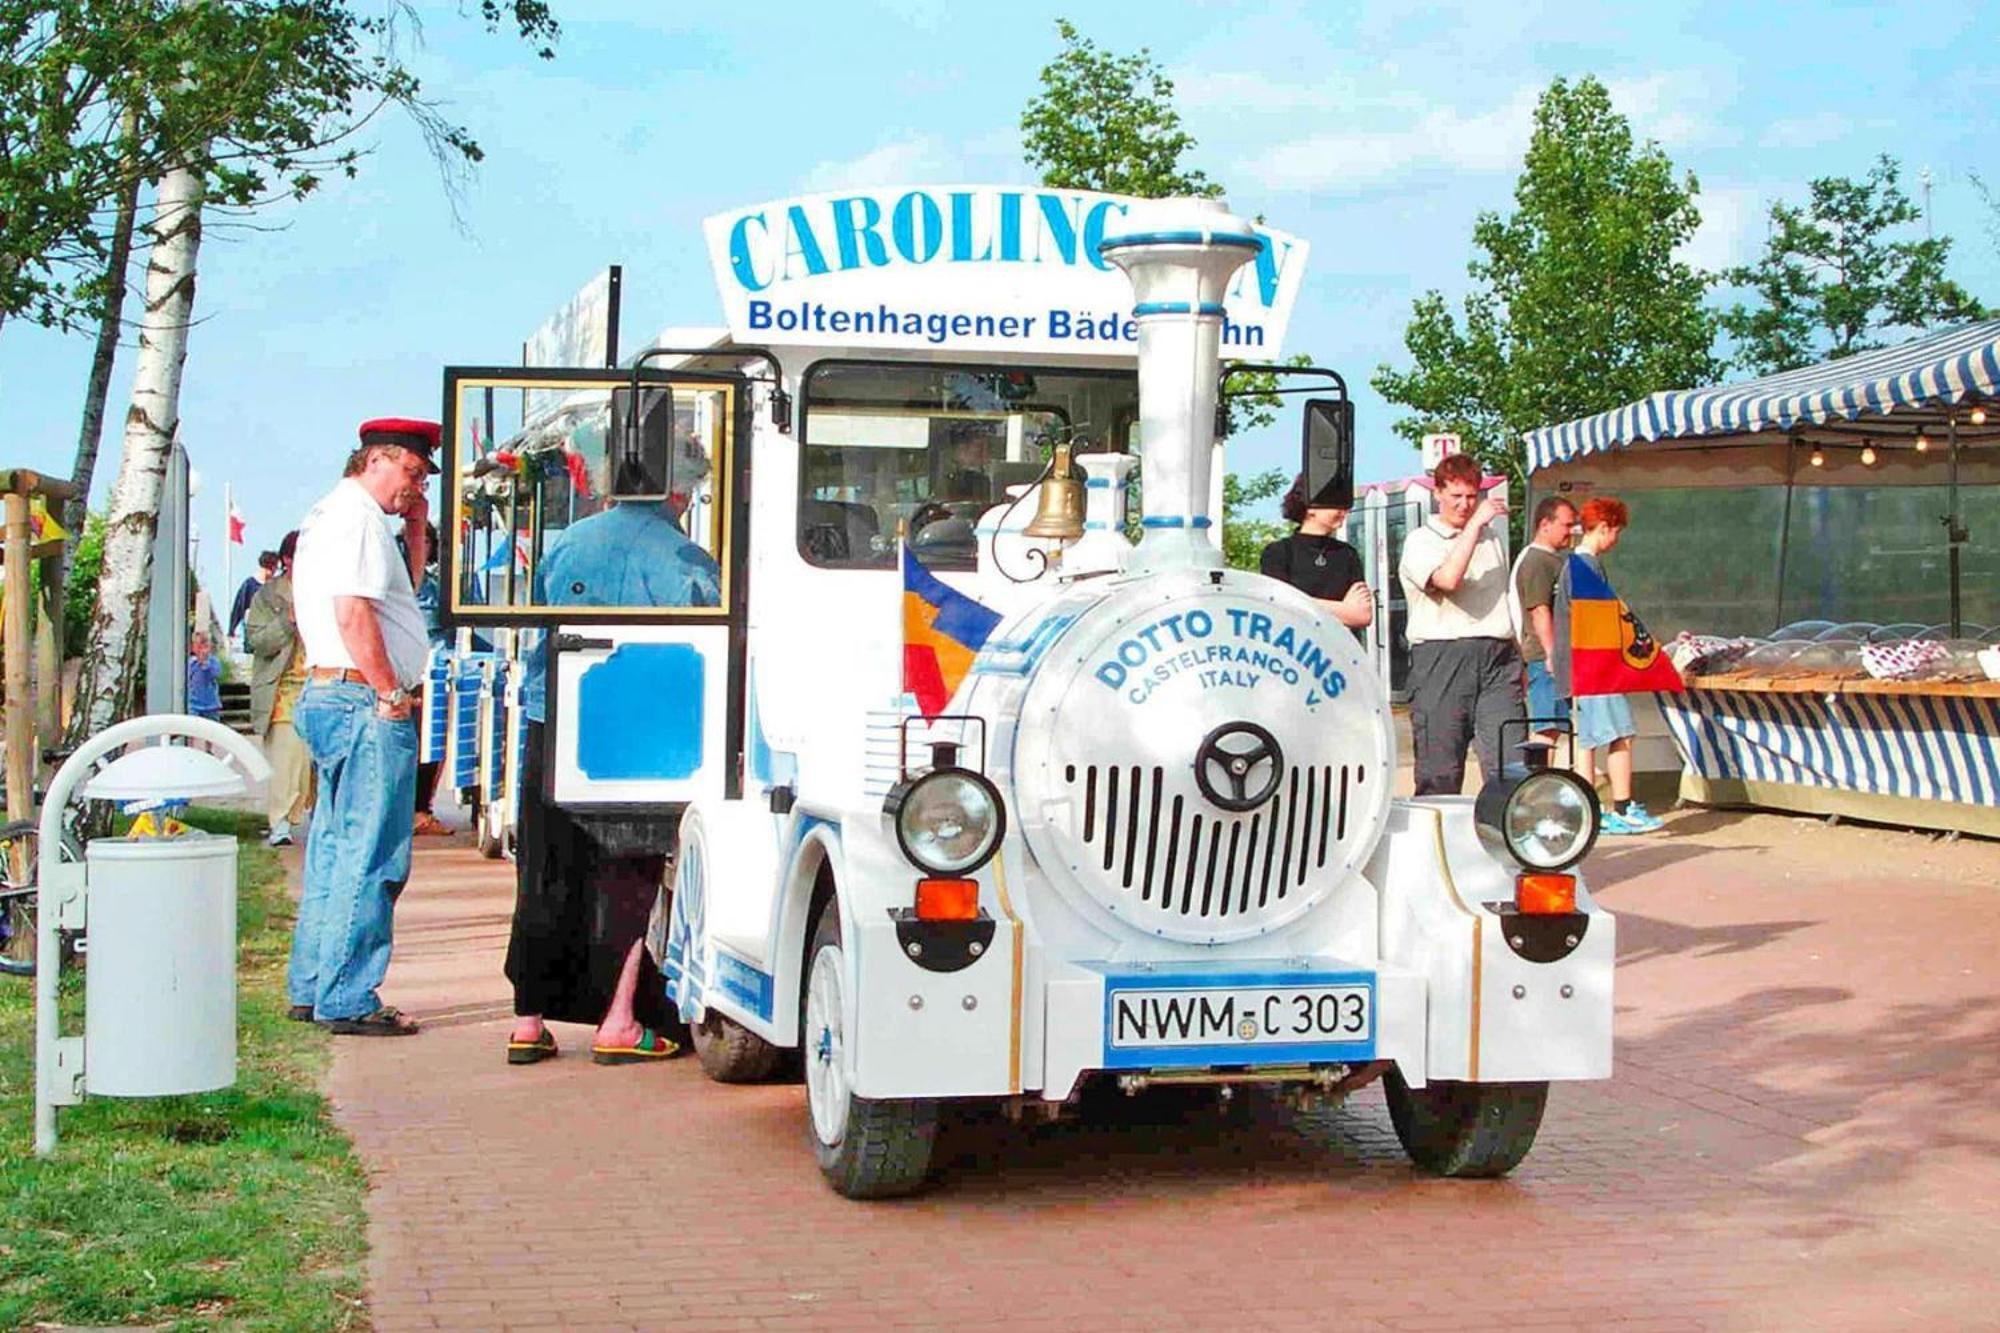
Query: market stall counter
1800, 724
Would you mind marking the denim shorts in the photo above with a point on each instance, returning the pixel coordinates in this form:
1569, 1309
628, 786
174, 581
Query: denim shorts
1602, 719
1543, 705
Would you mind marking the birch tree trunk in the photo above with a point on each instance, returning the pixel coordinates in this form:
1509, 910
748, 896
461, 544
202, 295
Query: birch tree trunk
91, 432
111, 663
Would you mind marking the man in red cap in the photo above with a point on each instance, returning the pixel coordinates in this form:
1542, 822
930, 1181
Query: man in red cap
365, 644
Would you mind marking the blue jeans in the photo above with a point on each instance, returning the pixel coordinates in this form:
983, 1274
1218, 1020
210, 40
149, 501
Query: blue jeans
358, 852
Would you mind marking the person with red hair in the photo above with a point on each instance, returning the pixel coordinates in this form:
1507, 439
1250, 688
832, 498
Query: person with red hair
1465, 672
1604, 721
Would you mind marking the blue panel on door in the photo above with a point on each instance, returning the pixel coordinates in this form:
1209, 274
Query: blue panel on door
639, 713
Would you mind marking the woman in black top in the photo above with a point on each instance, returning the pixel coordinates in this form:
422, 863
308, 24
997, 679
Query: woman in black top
1319, 564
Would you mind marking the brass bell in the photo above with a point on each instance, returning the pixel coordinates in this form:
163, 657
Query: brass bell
1059, 511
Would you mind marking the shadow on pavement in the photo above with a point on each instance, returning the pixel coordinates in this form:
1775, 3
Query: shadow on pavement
1641, 937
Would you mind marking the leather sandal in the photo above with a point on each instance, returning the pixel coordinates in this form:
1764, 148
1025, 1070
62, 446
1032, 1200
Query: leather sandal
300, 1013
532, 1052
384, 1022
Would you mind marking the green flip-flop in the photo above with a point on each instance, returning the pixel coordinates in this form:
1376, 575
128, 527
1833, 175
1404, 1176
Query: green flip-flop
650, 1047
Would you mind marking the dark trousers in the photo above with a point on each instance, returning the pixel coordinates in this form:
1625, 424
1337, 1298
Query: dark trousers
579, 908
1461, 691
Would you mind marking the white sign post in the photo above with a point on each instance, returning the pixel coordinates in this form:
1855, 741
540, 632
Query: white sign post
1437, 448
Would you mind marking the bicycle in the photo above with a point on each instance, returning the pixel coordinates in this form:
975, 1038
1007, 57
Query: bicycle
20, 845
17, 898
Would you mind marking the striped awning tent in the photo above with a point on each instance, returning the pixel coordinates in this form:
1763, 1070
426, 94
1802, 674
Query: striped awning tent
1910, 385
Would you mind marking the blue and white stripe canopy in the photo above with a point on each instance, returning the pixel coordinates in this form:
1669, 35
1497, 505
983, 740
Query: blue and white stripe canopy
1925, 376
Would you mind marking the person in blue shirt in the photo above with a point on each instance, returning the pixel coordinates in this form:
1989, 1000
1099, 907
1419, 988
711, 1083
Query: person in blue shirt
585, 890
204, 682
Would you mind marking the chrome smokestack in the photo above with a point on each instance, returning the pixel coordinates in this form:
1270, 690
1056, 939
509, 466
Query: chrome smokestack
1180, 255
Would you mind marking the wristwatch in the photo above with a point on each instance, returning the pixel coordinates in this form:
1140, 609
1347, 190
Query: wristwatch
400, 697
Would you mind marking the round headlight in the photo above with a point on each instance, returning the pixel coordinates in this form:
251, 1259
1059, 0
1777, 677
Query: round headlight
949, 821
1546, 820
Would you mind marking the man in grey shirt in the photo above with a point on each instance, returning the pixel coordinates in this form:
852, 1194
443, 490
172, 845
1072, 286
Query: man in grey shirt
1536, 573
1465, 673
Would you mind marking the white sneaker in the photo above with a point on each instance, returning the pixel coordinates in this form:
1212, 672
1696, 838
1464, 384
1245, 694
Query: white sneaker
281, 834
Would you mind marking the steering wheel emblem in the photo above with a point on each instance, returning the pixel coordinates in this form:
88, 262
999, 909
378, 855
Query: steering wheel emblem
1238, 766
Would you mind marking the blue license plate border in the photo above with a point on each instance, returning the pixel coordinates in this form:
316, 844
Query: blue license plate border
1238, 1054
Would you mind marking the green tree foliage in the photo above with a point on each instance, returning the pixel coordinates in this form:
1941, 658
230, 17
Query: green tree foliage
265, 95
80, 585
1107, 122
1243, 537
1578, 302
1832, 279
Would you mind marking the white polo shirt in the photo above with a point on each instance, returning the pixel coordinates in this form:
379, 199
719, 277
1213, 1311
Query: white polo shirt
347, 548
1476, 609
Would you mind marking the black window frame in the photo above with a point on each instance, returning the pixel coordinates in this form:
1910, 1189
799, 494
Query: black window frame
804, 435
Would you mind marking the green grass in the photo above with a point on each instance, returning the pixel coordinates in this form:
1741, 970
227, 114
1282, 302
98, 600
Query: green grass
238, 1209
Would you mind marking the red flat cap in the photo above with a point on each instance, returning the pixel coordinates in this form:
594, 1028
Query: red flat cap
419, 437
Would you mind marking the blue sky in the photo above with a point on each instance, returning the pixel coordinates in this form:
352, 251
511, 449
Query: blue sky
1376, 131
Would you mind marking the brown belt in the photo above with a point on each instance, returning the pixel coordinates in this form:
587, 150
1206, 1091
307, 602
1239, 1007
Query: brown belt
337, 676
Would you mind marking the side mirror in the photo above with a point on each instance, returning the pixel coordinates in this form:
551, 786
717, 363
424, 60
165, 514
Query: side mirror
641, 444
1328, 446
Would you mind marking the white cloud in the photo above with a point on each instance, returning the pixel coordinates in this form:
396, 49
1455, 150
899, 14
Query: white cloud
1671, 108
1441, 138
1732, 227
1806, 131
923, 158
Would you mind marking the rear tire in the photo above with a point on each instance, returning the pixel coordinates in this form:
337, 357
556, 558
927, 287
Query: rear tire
1466, 1129
867, 1149
732, 1053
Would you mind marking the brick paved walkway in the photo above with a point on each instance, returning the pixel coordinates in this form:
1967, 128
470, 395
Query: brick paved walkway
1803, 1133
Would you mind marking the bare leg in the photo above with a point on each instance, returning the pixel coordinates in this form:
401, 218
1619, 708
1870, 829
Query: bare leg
1586, 764
527, 1027
620, 1026
1618, 762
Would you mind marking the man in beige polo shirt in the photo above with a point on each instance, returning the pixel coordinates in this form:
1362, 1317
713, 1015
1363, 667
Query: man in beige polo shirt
1465, 672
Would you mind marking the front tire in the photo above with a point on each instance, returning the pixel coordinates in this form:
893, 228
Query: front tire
732, 1053
867, 1149
1466, 1129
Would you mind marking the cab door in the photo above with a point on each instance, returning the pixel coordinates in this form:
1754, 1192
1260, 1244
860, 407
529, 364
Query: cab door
607, 513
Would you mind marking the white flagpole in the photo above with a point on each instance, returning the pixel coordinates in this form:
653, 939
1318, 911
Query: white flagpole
228, 523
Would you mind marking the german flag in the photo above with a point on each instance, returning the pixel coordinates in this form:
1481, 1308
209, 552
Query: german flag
1611, 651
943, 630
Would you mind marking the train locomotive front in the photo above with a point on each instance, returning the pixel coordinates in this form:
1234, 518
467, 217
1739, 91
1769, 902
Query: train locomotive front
1157, 845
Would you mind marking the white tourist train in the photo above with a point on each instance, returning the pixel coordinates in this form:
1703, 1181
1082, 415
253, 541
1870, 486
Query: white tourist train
1146, 834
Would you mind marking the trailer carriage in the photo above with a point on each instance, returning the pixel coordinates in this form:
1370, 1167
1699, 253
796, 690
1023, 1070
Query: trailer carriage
1149, 836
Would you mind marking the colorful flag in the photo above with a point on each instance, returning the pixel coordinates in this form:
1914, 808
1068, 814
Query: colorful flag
1611, 651
943, 630
236, 524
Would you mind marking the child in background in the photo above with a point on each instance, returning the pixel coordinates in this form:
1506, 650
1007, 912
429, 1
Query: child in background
1604, 721
204, 680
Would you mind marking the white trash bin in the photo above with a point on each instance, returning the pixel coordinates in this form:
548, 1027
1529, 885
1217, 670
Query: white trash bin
159, 1013
159, 913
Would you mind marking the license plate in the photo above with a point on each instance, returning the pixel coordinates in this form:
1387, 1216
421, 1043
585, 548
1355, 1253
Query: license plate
1243, 1018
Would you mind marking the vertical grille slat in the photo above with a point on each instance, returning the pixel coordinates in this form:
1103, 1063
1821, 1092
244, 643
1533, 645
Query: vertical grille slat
1340, 830
1270, 852
1325, 815
1152, 835
1291, 824
1229, 868
1173, 858
1208, 874
1132, 820
1110, 816
1193, 864
1306, 824
1250, 859
1090, 803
